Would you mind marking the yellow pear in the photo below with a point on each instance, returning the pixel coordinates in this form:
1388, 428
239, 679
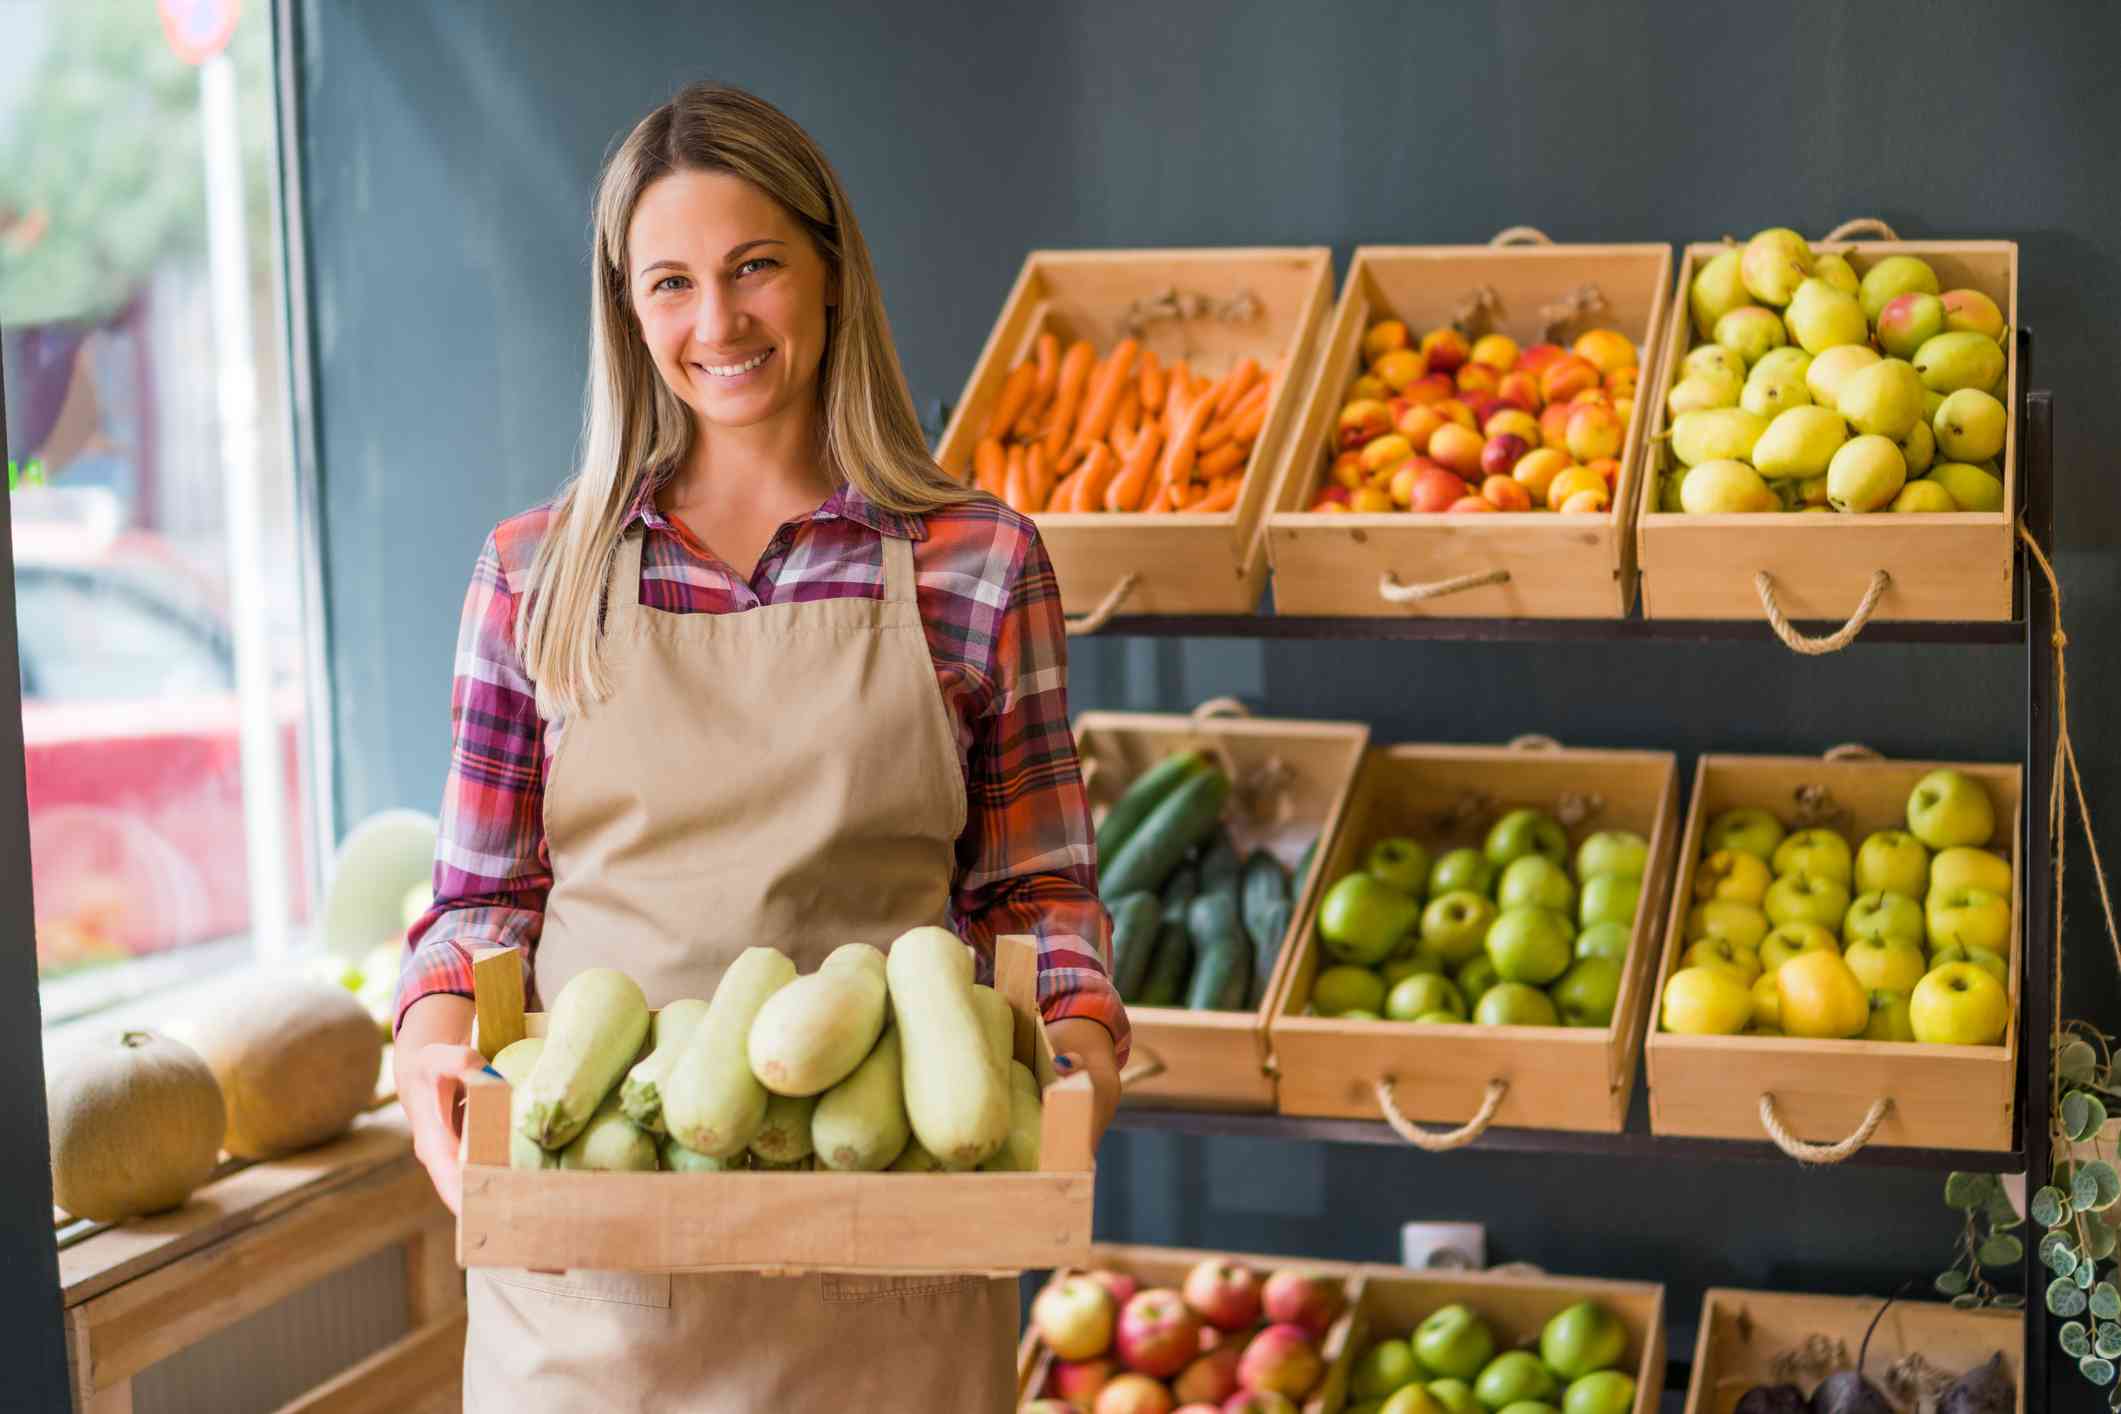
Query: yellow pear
1865, 474
1715, 434
1829, 370
1725, 487
1799, 443
1972, 488
1883, 398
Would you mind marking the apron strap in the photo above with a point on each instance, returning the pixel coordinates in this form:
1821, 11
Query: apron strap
623, 595
898, 570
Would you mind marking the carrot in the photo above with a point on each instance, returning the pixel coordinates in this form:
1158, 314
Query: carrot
1130, 487
1251, 414
991, 466
1016, 392
1039, 476
1176, 468
1063, 497
1154, 383
1097, 472
1048, 355
1068, 398
1236, 384
1129, 415
1222, 461
1221, 494
1177, 394
1224, 425
1103, 402
1016, 487
1159, 502
1192, 491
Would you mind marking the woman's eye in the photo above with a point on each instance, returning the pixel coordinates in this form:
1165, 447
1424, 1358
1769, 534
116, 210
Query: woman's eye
761, 262
667, 282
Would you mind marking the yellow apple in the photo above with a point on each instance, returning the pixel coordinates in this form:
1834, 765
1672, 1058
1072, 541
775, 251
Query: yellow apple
1959, 1005
1969, 917
1963, 866
1885, 965
1722, 952
1706, 1001
1735, 874
1994, 964
1741, 923
1889, 1018
1767, 1002
1792, 940
1818, 852
1821, 998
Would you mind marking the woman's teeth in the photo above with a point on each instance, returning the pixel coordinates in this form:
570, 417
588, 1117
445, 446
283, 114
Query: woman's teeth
733, 370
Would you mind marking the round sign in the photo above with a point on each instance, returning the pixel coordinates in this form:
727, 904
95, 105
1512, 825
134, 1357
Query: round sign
198, 29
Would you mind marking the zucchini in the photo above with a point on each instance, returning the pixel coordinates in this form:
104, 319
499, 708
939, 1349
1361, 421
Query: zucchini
957, 1098
1220, 866
1141, 798
1019, 1152
641, 1096
998, 1021
1275, 928
1183, 819
611, 1143
712, 1103
676, 1158
784, 1136
1170, 967
1135, 921
802, 1165
515, 1063
592, 1034
914, 1159
860, 1124
811, 1034
1223, 969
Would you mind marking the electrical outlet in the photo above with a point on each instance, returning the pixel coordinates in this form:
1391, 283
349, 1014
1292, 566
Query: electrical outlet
1444, 1246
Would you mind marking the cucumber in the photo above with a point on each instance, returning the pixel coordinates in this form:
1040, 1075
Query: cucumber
1141, 798
611, 1143
515, 1063
1135, 921
914, 1159
1220, 866
860, 1125
1181, 889
641, 1096
1224, 967
957, 1098
784, 1136
712, 1103
1171, 965
1303, 865
811, 1034
676, 1158
1019, 1152
592, 1034
998, 1021
1277, 919
1264, 900
1183, 819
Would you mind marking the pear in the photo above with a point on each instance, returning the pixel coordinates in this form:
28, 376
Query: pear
1668, 488
1883, 398
1725, 487
1821, 317
1908, 321
1972, 488
1750, 331
1891, 277
1931, 401
1775, 263
1970, 426
1923, 496
1713, 356
1836, 271
1711, 389
1776, 383
1718, 289
1799, 443
1919, 446
1956, 360
1715, 434
1832, 368
1972, 312
1866, 474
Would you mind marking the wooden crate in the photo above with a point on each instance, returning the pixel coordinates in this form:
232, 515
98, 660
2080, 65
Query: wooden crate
1551, 566
1949, 1097
1940, 566
1208, 563
884, 1223
1743, 1331
1394, 1300
1552, 1077
1297, 775
1167, 1267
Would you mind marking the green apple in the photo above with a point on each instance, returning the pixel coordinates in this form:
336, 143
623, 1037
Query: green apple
1732, 874
1969, 918
1889, 1017
1453, 1341
1969, 426
1582, 1338
1535, 881
1612, 852
1865, 475
1772, 265
1607, 939
1887, 917
1741, 923
1587, 992
1706, 1001
1882, 399
1454, 1396
1820, 317
1993, 964
1821, 853
1963, 867
1426, 993
1609, 898
1886, 964
1512, 1376
1515, 1004
1955, 360
1799, 443
1420, 962
1475, 978
1523, 832
1743, 962
1972, 488
1383, 1368
1400, 862
1750, 331
1893, 862
1363, 918
1823, 379
1706, 435
1949, 807
1959, 1005
1747, 828
1892, 277
1461, 869
1718, 288
1530, 944
1454, 923
1794, 940
1344, 988
1767, 1002
1806, 898
1600, 1392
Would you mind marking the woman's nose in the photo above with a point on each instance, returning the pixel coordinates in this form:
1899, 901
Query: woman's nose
718, 321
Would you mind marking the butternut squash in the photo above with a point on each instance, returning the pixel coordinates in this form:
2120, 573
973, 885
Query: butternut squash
957, 1097
812, 1033
641, 1096
712, 1103
860, 1123
592, 1033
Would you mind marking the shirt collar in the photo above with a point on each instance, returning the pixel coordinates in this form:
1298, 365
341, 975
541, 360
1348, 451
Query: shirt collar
846, 503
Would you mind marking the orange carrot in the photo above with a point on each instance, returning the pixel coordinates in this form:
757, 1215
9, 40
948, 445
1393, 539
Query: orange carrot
1221, 494
1154, 383
1177, 395
1016, 487
1251, 414
1068, 398
1063, 497
1039, 476
1048, 379
1129, 415
1103, 402
1097, 472
1238, 383
1224, 425
1223, 460
1176, 468
1016, 392
991, 465
1130, 487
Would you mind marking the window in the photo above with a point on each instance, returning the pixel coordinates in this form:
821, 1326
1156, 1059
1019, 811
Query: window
158, 557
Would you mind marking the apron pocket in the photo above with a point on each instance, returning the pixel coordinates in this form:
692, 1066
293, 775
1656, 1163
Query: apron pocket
850, 1286
648, 1289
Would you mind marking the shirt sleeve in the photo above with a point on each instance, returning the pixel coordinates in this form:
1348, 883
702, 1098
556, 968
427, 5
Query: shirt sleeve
492, 868
1026, 860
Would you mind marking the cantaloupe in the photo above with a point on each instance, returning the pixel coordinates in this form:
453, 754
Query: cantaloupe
136, 1125
296, 1061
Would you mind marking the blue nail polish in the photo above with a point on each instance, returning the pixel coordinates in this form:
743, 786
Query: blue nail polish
1064, 1062
489, 1070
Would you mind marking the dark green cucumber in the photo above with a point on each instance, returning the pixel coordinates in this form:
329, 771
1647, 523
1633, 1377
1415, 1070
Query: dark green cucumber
1303, 866
1136, 920
1171, 966
1140, 799
1184, 818
1222, 970
1275, 929
1179, 890
1220, 865
1265, 885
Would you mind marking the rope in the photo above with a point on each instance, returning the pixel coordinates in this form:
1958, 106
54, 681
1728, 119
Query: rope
1805, 1153
1534, 741
1220, 707
1850, 751
1392, 591
1520, 235
1144, 1064
1098, 617
1834, 642
1432, 1141
1862, 226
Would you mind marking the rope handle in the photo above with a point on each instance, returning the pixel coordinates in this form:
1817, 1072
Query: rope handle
1533, 741
1834, 1153
1143, 1065
1851, 751
1443, 1141
1220, 707
1520, 235
1392, 591
1840, 638
1098, 617
1862, 226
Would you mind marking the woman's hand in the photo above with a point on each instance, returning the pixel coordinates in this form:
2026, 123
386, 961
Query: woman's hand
1083, 1046
429, 1060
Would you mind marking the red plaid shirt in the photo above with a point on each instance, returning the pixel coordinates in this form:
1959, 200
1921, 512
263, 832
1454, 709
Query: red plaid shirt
1025, 863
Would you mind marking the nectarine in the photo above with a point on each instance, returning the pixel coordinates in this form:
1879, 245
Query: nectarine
1502, 452
1607, 348
1497, 351
1571, 481
1419, 422
1445, 349
1383, 337
1399, 368
1593, 432
1458, 448
1537, 469
1430, 388
1567, 376
1506, 493
1471, 503
1459, 413
1585, 503
1381, 452
1437, 489
1520, 388
1369, 386
1363, 419
1477, 378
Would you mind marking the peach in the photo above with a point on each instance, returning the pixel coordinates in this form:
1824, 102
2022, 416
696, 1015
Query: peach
1535, 359
1332, 495
1569, 482
1330, 508
1381, 452
1608, 469
1470, 503
1477, 378
1369, 500
1383, 337
1593, 432
1567, 376
1458, 448
1554, 424
1483, 405
1621, 381
1520, 388
1502, 452
1607, 348
1368, 387
1506, 493
1418, 423
1497, 351
1437, 489
1399, 368
1537, 470
1348, 470
1445, 349
1459, 413
1363, 419
1586, 503
1430, 388
1510, 419
1403, 478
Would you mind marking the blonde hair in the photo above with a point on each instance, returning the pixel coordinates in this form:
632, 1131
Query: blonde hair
635, 428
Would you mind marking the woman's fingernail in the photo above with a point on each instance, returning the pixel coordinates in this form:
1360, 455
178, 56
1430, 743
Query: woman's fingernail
1064, 1062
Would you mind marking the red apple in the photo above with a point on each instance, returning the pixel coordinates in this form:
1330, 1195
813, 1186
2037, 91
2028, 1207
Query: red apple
1283, 1359
1225, 1294
1501, 452
1074, 1317
1133, 1394
1297, 1298
1158, 1334
1254, 1401
1212, 1378
1078, 1381
1436, 488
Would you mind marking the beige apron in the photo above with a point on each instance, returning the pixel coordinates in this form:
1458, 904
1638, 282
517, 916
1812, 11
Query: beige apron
786, 775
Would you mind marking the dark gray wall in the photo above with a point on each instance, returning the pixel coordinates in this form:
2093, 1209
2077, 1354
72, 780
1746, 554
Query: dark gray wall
448, 162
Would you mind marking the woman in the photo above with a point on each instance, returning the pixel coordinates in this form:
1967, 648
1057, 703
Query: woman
761, 673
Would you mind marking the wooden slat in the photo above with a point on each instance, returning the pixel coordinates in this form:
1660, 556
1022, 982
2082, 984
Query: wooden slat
497, 986
434, 1283
422, 1373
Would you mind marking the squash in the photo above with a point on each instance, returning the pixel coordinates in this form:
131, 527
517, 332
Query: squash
914, 1159
641, 1094
957, 1097
592, 1033
1019, 1152
676, 1158
712, 1103
610, 1143
860, 1124
784, 1136
515, 1062
999, 1020
296, 1060
135, 1125
813, 1033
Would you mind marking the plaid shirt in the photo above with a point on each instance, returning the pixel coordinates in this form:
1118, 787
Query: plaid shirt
987, 597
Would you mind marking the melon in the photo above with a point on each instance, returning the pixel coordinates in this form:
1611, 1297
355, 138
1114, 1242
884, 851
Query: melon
136, 1125
296, 1061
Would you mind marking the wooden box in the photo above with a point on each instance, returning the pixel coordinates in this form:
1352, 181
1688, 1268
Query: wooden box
1821, 566
1167, 1267
879, 1223
1932, 1096
1742, 1333
1138, 563
1293, 780
1528, 565
1549, 1077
